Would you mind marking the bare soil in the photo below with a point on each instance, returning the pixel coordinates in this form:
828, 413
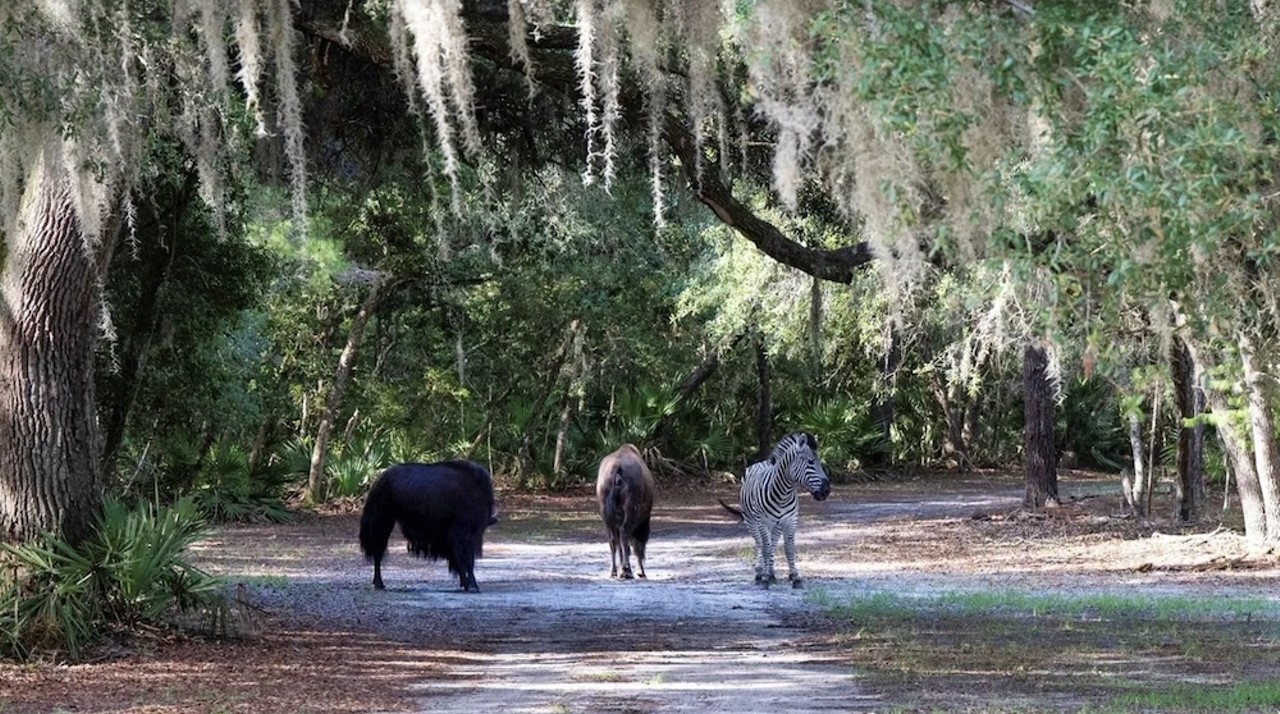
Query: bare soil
551, 632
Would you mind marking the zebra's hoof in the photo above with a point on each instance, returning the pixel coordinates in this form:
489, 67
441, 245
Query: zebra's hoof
627, 575
797, 583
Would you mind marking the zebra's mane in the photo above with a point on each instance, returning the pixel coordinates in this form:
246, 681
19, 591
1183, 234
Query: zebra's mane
791, 443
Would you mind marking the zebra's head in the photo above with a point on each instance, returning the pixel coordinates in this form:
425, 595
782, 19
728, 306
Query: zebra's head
797, 455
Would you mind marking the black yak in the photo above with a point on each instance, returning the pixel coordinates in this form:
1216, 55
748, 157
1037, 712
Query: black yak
442, 509
625, 489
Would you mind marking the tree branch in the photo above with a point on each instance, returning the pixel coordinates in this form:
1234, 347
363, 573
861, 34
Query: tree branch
836, 265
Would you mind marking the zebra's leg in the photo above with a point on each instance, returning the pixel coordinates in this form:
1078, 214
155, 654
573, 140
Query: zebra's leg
761, 538
789, 546
764, 575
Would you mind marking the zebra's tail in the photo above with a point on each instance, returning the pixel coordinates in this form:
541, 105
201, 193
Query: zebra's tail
737, 513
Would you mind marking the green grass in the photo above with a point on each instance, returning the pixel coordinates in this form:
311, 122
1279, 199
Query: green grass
274, 582
1243, 697
1107, 652
883, 606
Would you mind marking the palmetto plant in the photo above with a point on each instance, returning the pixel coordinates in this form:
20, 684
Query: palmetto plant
131, 570
842, 428
354, 464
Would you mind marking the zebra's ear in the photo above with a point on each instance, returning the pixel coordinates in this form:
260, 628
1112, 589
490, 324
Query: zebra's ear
813, 442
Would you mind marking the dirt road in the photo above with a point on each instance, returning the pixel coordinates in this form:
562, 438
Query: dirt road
551, 632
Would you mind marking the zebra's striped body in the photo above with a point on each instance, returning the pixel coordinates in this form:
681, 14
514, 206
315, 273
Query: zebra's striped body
770, 503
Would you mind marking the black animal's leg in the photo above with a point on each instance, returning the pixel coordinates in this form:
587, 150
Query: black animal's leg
377, 574
613, 556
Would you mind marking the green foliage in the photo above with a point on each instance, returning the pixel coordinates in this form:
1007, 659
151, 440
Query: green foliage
352, 465
132, 570
226, 489
843, 428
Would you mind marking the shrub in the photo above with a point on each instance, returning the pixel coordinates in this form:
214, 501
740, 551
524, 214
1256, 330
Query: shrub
132, 570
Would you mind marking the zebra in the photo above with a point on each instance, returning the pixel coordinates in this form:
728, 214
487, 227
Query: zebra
769, 500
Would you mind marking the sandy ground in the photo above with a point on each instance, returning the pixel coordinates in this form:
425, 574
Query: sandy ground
551, 632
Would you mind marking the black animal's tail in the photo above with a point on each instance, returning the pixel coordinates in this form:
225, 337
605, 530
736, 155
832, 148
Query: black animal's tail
737, 513
377, 520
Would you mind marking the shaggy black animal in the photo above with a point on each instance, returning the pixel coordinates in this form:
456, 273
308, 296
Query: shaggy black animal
625, 489
442, 508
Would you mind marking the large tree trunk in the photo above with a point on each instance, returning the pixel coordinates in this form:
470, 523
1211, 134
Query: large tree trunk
1264, 440
50, 450
341, 379
1040, 453
1190, 398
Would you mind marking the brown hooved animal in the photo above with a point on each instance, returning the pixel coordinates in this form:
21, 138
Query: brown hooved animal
625, 491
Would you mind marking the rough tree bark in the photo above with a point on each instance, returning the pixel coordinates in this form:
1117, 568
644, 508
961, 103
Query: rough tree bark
1040, 453
50, 449
341, 379
1190, 400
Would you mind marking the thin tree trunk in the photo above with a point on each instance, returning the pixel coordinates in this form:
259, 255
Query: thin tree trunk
51, 476
133, 365
1190, 438
1135, 486
690, 386
1235, 445
1264, 441
316, 484
764, 403
565, 351
883, 405
1039, 451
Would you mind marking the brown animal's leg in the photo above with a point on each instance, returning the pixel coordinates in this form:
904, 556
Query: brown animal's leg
638, 548
613, 556
625, 551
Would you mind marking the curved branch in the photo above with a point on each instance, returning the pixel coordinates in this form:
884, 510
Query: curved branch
837, 265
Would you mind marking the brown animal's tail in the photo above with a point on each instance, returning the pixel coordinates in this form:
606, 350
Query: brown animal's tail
737, 513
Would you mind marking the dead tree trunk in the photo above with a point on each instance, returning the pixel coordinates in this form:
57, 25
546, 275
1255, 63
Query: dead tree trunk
316, 483
1039, 451
883, 404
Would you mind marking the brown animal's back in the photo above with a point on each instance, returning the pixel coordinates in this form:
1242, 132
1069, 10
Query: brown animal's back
634, 475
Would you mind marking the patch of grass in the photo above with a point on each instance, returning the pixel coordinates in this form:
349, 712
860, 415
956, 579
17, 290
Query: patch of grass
1242, 697
274, 582
598, 676
1099, 649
